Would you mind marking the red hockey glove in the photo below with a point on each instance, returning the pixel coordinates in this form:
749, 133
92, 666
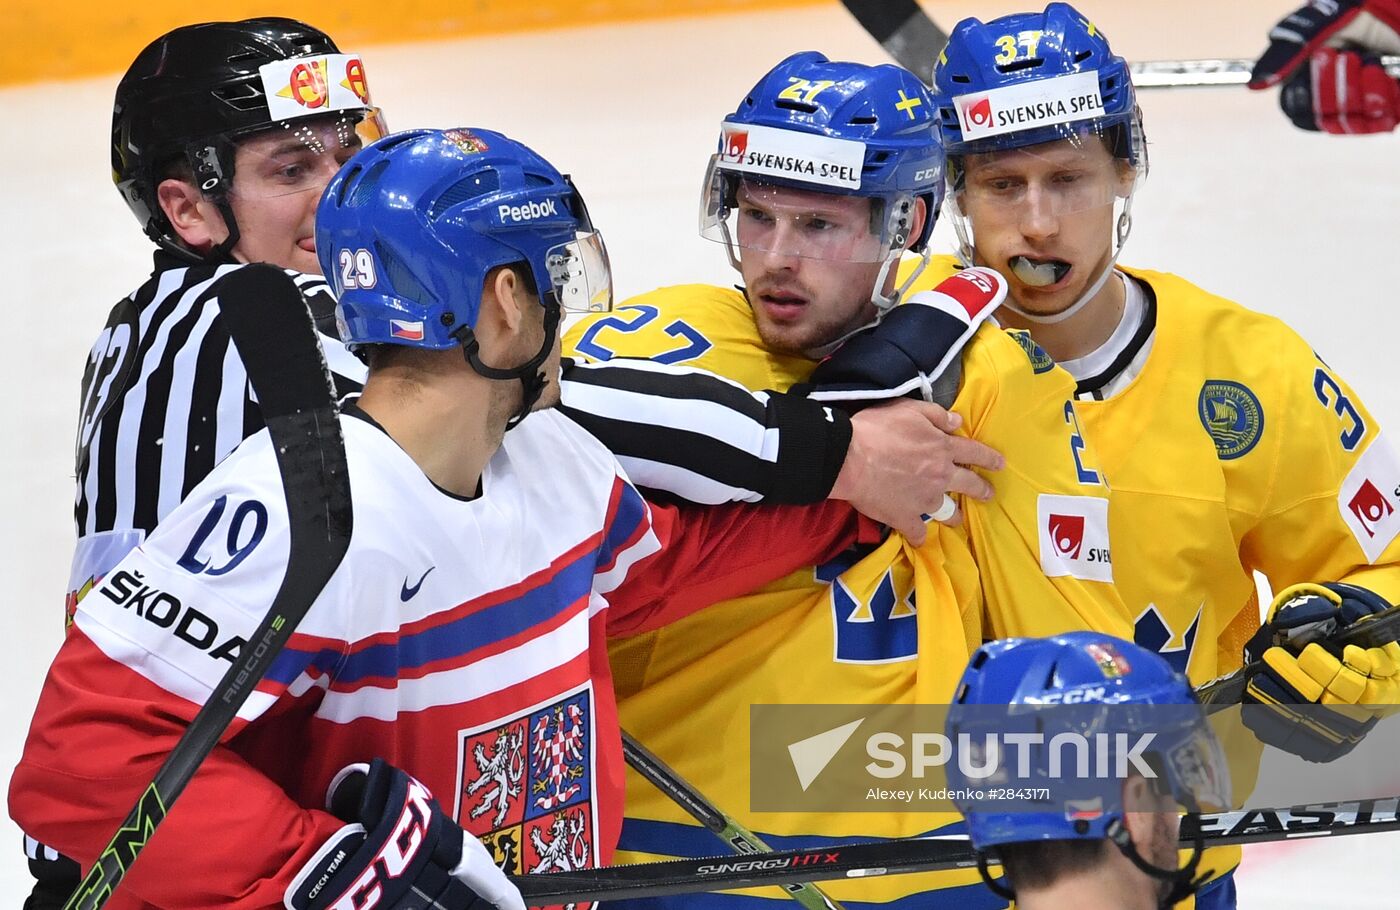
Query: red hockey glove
1326, 51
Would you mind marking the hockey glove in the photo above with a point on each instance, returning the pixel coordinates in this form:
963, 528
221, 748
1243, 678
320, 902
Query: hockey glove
911, 349
400, 850
1326, 53
1323, 697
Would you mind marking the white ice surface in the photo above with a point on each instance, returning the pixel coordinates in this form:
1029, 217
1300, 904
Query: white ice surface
1238, 201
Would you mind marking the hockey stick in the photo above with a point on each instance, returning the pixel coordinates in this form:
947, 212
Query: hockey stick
904, 30
1191, 73
914, 41
740, 839
688, 876
275, 336
1369, 632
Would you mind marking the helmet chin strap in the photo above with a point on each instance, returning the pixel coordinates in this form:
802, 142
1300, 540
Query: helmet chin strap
883, 303
1184, 881
1125, 225
531, 378
223, 252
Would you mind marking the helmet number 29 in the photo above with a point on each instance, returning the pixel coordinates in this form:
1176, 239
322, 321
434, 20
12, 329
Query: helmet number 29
357, 270
1029, 40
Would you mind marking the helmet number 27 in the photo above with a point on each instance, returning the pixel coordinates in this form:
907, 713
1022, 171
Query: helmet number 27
804, 90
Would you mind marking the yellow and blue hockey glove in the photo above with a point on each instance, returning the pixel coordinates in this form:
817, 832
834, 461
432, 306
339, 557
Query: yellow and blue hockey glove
1324, 697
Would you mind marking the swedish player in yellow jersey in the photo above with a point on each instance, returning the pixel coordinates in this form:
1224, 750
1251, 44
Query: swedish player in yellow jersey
1231, 446
826, 173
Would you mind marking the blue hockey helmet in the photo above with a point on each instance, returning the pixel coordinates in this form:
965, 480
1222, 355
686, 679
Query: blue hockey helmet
838, 128
1024, 81
1088, 683
1031, 78
410, 227
1095, 688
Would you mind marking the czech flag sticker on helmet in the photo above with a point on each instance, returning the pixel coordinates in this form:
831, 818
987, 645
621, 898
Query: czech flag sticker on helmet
409, 331
1027, 105
1111, 663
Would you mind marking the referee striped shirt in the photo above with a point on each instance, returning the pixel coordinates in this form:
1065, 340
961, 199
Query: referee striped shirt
165, 397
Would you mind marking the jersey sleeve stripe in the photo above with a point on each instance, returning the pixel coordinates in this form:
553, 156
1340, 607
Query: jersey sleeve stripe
484, 678
630, 539
411, 653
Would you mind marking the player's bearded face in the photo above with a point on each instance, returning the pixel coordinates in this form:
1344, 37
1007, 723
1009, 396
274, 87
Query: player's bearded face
1049, 206
277, 181
809, 262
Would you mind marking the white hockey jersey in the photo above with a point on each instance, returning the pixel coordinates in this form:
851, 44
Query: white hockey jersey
462, 640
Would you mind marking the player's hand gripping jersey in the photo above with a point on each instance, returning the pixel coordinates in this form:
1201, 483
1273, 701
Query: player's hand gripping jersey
1234, 449
460, 640
888, 624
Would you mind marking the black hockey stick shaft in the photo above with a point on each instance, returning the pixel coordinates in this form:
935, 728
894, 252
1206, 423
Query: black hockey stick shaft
1369, 632
914, 41
904, 30
739, 838
896, 857
278, 343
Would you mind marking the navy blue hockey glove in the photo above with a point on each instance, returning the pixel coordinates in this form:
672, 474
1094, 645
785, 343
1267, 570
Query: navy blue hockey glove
1326, 54
399, 852
912, 348
1322, 698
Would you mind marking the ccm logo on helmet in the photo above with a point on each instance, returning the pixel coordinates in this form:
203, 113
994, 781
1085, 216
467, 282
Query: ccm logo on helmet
527, 212
1077, 697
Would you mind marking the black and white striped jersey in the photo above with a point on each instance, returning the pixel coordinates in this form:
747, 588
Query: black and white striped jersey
703, 438
165, 397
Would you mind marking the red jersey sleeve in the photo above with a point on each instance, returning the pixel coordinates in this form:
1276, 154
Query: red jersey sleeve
671, 560
99, 734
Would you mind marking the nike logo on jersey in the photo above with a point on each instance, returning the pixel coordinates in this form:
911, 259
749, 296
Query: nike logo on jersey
408, 592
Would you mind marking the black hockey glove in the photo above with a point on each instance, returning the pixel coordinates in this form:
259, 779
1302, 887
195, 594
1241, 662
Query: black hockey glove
911, 350
1320, 698
1327, 54
400, 850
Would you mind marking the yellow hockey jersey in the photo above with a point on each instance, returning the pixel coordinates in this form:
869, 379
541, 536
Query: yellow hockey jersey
889, 626
1235, 449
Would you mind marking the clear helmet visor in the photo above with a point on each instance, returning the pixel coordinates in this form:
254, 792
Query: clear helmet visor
1082, 171
299, 155
1091, 172
746, 213
581, 274
1199, 771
